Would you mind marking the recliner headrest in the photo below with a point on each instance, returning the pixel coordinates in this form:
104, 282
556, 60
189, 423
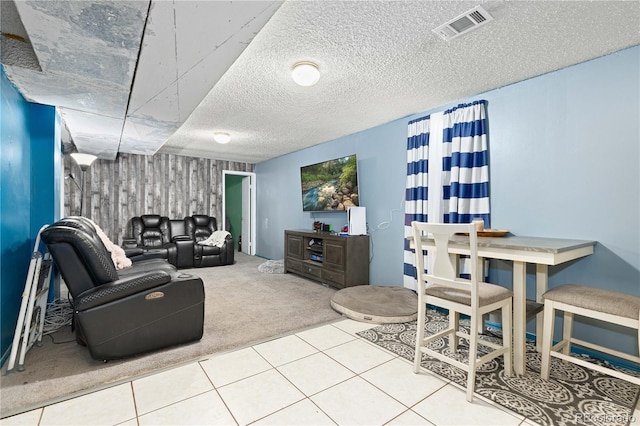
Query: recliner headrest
151, 220
201, 219
78, 222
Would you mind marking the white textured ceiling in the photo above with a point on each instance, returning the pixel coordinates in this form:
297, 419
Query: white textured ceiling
117, 90
225, 66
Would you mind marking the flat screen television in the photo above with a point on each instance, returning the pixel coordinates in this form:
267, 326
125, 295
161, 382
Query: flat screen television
330, 186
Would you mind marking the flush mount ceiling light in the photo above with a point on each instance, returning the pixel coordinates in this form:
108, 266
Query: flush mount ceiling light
83, 160
305, 73
221, 137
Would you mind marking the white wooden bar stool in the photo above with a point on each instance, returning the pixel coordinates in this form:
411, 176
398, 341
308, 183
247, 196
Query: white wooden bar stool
600, 304
442, 287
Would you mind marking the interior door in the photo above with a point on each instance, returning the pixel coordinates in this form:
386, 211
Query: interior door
247, 206
246, 215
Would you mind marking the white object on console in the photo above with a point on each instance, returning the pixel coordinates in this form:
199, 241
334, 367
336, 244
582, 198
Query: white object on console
357, 220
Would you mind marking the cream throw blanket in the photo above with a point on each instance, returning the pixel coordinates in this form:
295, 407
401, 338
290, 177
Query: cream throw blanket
216, 238
119, 258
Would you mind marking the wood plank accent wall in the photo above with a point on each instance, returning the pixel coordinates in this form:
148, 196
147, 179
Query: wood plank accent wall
132, 185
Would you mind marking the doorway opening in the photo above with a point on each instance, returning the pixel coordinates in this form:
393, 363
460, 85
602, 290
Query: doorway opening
239, 209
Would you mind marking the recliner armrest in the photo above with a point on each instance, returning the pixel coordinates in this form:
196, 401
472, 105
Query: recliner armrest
181, 238
128, 243
132, 252
228, 251
132, 284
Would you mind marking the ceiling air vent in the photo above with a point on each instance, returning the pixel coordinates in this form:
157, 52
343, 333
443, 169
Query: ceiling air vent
464, 23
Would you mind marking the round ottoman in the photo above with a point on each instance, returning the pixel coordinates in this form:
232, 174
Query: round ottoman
376, 304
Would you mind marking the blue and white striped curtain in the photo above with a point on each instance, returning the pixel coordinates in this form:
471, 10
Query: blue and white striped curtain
465, 169
465, 164
416, 199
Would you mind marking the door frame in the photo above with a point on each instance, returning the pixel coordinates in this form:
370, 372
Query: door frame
251, 200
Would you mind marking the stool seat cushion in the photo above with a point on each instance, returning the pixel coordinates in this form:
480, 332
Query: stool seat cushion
487, 293
596, 299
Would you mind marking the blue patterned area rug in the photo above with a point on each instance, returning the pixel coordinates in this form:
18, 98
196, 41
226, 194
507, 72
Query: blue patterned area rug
573, 396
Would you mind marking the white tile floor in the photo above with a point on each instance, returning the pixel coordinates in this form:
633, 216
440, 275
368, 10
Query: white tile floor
322, 376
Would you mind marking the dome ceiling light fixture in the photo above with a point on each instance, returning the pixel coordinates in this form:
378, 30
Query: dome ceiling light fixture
305, 73
222, 137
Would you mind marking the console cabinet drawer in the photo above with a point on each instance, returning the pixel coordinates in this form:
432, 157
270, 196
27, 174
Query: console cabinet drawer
308, 269
333, 277
292, 265
313, 270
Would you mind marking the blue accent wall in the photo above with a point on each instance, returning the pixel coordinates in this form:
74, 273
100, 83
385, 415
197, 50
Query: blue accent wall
564, 153
46, 163
30, 157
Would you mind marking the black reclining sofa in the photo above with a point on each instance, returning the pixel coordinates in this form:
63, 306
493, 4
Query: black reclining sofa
176, 240
123, 313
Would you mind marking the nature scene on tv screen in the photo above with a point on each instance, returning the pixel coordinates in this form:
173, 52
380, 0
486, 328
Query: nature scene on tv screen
330, 185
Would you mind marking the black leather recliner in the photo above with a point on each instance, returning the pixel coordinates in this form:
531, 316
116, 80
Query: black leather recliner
152, 235
118, 315
199, 227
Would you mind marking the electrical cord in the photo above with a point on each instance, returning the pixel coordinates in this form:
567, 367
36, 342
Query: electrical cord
381, 226
59, 314
371, 250
386, 224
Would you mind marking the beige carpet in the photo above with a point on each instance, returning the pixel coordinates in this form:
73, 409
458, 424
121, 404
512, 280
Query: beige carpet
242, 306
